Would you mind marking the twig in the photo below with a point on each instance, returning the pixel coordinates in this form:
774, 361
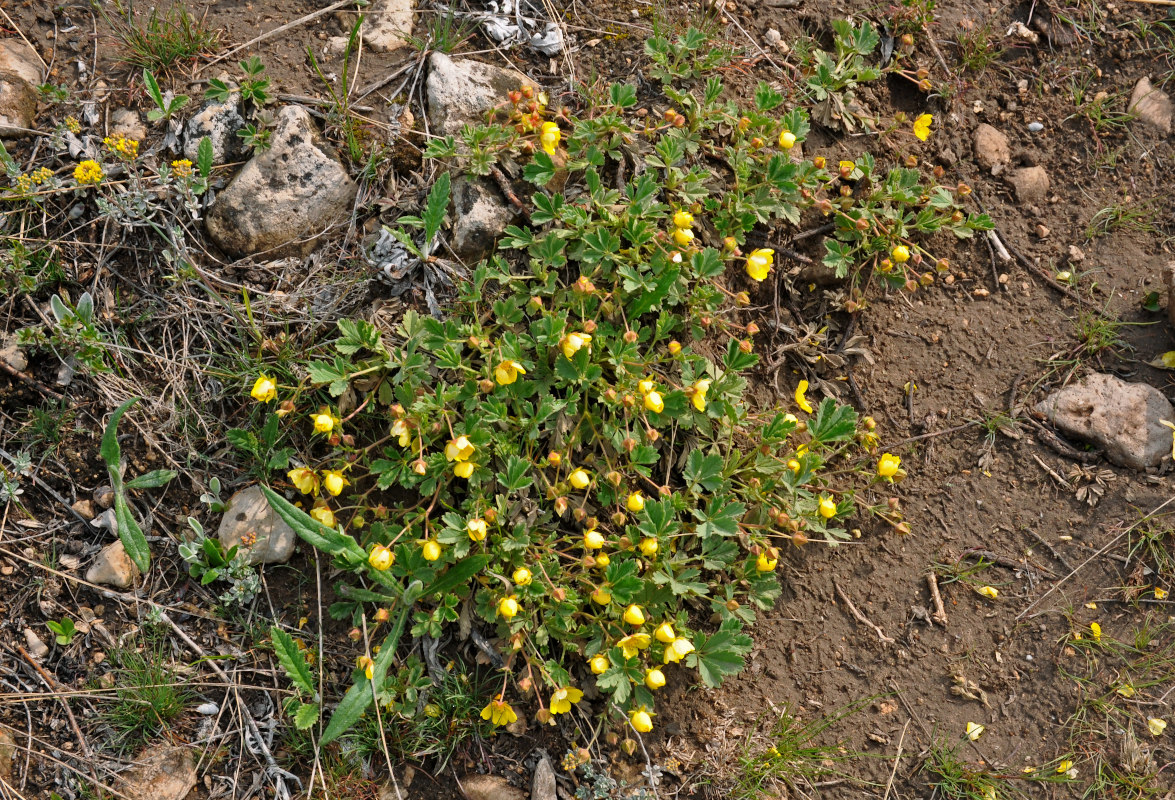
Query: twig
49, 490
858, 615
897, 759
1044, 276
509, 192
1041, 541
1061, 481
1154, 2
940, 612
276, 31
1058, 446
54, 686
932, 434
29, 379
20, 33
1110, 544
993, 239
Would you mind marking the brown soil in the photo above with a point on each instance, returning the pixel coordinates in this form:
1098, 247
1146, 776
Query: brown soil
974, 348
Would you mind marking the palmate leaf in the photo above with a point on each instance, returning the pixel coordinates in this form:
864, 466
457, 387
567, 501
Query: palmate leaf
292, 661
832, 423
719, 655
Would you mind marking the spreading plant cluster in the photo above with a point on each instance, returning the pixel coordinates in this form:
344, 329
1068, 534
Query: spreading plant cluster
569, 457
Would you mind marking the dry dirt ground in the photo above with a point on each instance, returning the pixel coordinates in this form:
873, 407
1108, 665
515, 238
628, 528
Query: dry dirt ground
988, 501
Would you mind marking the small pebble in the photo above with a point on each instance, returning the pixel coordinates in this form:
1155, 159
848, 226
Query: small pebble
207, 709
1035, 127
1028, 656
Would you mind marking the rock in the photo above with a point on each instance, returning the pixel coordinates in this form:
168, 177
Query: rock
1153, 106
480, 216
286, 196
107, 520
113, 567
1031, 184
85, 509
461, 92
388, 24
1035, 127
104, 496
991, 147
542, 786
1076, 254
126, 123
18, 58
1123, 418
18, 105
11, 354
7, 756
1169, 279
162, 772
220, 122
489, 787
248, 517
32, 642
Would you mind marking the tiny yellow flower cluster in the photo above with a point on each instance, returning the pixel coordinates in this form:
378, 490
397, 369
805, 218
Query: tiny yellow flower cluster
181, 168
26, 183
88, 173
122, 147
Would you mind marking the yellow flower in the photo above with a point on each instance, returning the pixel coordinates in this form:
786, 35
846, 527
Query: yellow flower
767, 560
264, 389
593, 540
634, 616
888, 465
521, 576
664, 633
122, 146
476, 528
334, 482
683, 219
499, 712
579, 479
550, 137
181, 168
602, 561
507, 372
324, 515
654, 678
801, 397
572, 343
641, 720
683, 236
974, 731
787, 139
1064, 766
674, 347
367, 665
846, 168
900, 254
645, 386
793, 465
381, 558
678, 649
827, 507
459, 449
649, 546
989, 591
1156, 725
463, 469
305, 480
508, 607
699, 396
431, 550
563, 699
654, 403
635, 502
1126, 690
1096, 630
601, 597
324, 421
402, 432
1160, 593
599, 664
88, 173
922, 126
759, 263
633, 643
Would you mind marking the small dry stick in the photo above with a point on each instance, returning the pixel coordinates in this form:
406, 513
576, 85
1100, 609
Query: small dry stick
276, 31
994, 240
897, 759
1063, 483
1043, 543
861, 618
940, 612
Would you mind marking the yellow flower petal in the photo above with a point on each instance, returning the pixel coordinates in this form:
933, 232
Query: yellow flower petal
802, 399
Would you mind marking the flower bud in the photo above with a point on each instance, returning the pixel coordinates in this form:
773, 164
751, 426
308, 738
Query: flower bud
679, 121
610, 395
942, 265
963, 189
490, 515
825, 206
590, 524
590, 326
730, 244
911, 161
732, 605
486, 385
922, 73
911, 285
799, 539
926, 279
578, 514
629, 401
629, 444
355, 634
651, 434
925, 85
893, 503
630, 336
908, 39
535, 302
528, 92
560, 505
862, 224
515, 96
752, 329
819, 162
419, 466
757, 142
939, 172
846, 191
705, 322
746, 345
742, 299
559, 593
618, 518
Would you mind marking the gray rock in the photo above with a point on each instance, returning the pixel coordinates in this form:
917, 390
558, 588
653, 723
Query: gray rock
104, 496
221, 122
286, 196
113, 567
489, 787
18, 105
17, 57
1153, 106
387, 25
991, 147
162, 772
36, 647
542, 786
480, 217
461, 92
1123, 418
127, 123
11, 354
1031, 184
248, 515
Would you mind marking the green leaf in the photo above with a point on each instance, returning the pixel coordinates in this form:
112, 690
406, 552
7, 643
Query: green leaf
306, 716
356, 335
832, 423
703, 471
243, 440
719, 655
438, 204
204, 157
131, 535
292, 661
153, 89
314, 532
720, 518
515, 477
152, 480
110, 451
736, 360
540, 170
457, 575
